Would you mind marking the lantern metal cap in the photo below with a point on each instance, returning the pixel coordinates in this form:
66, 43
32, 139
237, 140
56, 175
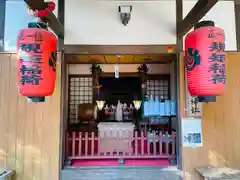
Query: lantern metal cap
37, 25
204, 24
36, 99
207, 99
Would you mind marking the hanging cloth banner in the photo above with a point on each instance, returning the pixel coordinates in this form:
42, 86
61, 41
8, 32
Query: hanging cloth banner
116, 71
116, 67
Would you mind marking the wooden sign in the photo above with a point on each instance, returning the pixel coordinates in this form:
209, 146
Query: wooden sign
194, 107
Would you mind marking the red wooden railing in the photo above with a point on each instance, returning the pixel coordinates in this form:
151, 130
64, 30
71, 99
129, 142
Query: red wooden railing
138, 146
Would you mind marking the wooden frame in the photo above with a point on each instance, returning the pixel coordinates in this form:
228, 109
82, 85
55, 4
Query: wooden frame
118, 49
161, 77
196, 13
51, 19
64, 111
199, 10
61, 14
128, 74
179, 17
237, 22
101, 59
68, 94
132, 74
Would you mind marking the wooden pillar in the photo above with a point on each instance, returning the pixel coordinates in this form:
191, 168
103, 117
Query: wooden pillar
143, 91
96, 72
237, 22
94, 80
178, 67
64, 90
64, 109
61, 14
142, 70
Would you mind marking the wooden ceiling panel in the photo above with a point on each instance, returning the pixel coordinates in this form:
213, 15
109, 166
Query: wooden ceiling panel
97, 58
123, 59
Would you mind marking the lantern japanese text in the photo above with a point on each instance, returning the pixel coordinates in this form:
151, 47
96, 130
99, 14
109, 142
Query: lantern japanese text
36, 62
205, 60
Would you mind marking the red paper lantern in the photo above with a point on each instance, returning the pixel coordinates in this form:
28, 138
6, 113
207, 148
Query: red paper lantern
37, 49
205, 60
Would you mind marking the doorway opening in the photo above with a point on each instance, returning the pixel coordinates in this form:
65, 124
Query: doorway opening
126, 120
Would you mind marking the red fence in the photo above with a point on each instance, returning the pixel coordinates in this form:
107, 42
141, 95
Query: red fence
125, 146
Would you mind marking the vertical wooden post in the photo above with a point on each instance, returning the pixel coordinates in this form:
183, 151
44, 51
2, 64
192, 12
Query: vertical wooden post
142, 142
143, 90
92, 143
86, 143
160, 143
173, 143
94, 84
80, 144
73, 144
110, 144
129, 142
64, 108
166, 143
237, 21
179, 17
154, 144
67, 145
143, 77
64, 87
136, 143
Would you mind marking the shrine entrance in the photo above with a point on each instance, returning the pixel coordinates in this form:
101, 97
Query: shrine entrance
121, 113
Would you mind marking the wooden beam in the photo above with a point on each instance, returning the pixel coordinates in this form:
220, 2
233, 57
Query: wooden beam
197, 12
54, 24
51, 19
118, 49
61, 14
36, 4
126, 59
179, 18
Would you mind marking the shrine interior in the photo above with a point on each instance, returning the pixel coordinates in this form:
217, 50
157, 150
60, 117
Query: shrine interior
129, 100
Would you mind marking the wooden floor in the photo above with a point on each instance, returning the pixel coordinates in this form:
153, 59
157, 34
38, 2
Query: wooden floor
121, 173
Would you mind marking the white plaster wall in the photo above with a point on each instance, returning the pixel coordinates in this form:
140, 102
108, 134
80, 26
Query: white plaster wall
97, 22
223, 15
79, 68
123, 68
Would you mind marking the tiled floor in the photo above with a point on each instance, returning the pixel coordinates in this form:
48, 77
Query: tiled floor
121, 173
